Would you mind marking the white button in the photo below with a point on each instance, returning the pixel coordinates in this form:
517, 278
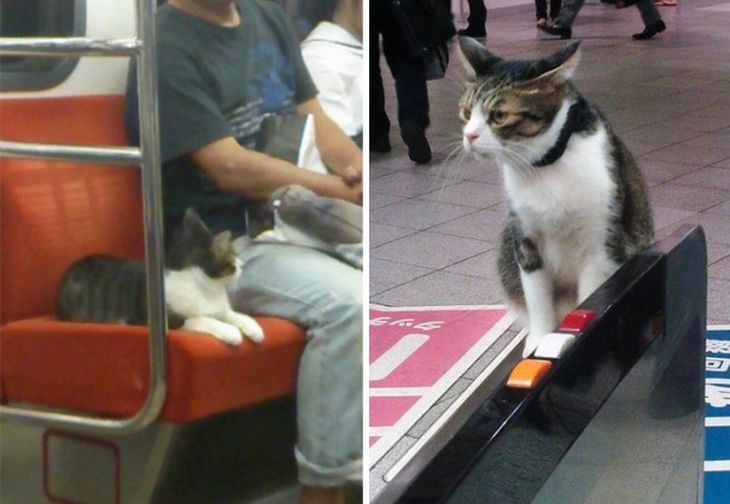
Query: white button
554, 345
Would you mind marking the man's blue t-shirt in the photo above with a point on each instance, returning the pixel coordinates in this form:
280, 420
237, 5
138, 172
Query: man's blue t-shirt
216, 82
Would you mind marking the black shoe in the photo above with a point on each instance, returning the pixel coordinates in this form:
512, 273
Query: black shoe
381, 144
472, 31
563, 32
418, 149
650, 31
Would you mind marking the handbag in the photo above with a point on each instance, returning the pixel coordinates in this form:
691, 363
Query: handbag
426, 26
289, 137
436, 62
296, 215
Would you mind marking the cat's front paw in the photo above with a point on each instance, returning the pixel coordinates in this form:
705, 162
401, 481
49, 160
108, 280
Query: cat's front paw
227, 334
531, 343
247, 326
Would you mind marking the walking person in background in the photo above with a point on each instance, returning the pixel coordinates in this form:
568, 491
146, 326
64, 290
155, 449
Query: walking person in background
410, 86
653, 23
477, 26
541, 12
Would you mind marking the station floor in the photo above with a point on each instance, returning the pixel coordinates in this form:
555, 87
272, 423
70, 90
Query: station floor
434, 229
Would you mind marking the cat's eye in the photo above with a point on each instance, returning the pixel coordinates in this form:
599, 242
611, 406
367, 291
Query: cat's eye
497, 116
465, 114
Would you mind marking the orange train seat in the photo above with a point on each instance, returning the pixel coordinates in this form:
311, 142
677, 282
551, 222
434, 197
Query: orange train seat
52, 213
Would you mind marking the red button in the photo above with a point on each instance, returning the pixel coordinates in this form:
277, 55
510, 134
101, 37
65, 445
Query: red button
577, 320
527, 373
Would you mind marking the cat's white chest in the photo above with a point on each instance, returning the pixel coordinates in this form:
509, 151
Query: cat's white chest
193, 294
565, 207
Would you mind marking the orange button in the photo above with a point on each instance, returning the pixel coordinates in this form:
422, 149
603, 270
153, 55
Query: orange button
528, 373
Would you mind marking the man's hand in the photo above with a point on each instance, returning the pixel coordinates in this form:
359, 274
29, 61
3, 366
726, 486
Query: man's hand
352, 175
340, 188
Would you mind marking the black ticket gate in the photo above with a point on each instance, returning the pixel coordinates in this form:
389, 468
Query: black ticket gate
618, 418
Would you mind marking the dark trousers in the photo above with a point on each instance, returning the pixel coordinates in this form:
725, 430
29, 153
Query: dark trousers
541, 9
477, 14
408, 72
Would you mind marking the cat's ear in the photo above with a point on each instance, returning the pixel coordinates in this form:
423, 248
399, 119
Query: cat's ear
221, 242
556, 69
476, 58
193, 221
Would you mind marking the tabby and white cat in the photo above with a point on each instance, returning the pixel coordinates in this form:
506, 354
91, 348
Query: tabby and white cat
577, 204
198, 267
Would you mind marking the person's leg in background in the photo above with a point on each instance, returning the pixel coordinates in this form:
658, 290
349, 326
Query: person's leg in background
477, 20
410, 86
653, 23
324, 295
568, 13
379, 123
555, 10
541, 12
413, 106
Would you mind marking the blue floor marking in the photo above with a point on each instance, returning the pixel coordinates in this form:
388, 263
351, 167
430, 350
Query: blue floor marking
717, 417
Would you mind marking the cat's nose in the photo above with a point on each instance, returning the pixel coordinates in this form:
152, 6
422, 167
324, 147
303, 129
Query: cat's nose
470, 137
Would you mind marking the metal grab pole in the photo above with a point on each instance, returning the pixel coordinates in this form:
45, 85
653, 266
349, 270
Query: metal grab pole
152, 204
152, 211
127, 156
69, 46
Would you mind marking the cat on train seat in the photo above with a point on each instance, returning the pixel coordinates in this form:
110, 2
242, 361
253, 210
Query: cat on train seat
198, 267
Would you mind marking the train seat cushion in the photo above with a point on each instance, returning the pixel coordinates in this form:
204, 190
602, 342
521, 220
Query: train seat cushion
104, 369
53, 213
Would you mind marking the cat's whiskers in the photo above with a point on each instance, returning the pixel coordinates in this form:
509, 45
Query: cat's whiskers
527, 148
455, 146
450, 167
516, 159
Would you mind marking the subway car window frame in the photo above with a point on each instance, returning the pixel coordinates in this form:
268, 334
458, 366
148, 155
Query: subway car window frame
39, 18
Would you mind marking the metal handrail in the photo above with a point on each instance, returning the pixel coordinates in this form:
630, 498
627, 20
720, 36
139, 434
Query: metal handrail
69, 46
152, 214
108, 155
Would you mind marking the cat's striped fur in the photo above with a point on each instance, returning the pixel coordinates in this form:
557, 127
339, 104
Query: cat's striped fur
198, 267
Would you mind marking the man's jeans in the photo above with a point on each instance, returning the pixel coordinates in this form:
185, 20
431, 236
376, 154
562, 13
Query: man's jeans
323, 295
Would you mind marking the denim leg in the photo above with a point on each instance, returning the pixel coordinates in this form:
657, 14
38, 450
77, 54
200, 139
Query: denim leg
649, 12
325, 296
569, 11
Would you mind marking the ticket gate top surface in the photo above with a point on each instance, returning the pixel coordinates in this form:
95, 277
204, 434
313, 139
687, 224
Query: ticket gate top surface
618, 415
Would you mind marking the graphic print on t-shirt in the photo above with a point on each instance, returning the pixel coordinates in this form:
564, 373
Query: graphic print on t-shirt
273, 78
272, 83
245, 122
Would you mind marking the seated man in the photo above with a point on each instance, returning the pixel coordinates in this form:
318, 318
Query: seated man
223, 65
